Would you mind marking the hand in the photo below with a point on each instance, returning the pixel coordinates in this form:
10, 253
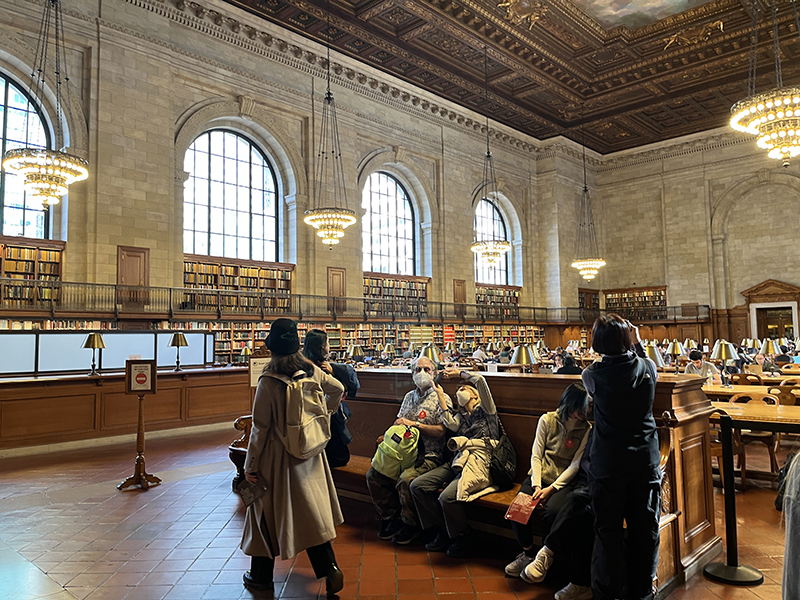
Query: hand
537, 491
251, 477
406, 422
546, 493
326, 366
634, 333
451, 372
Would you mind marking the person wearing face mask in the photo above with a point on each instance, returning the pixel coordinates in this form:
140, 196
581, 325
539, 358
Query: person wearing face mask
424, 408
467, 477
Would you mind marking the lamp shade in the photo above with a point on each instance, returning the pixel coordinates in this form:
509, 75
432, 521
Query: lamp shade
540, 344
724, 351
378, 348
491, 347
653, 354
716, 345
665, 342
430, 352
94, 340
389, 349
705, 341
355, 351
465, 346
752, 344
689, 344
770, 347
524, 355
450, 347
675, 348
412, 347
783, 341
178, 340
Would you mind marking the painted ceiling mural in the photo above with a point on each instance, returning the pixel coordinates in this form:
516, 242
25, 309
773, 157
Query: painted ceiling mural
633, 13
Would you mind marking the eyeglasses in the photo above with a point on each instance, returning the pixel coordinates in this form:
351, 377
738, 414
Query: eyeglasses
426, 369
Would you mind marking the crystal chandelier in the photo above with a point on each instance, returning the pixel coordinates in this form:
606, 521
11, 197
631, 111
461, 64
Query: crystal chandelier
329, 214
773, 116
490, 251
588, 261
47, 174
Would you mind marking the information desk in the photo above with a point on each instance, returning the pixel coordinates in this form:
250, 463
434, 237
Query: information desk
688, 536
48, 410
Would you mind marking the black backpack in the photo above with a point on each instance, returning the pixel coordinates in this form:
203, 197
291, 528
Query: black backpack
503, 466
782, 474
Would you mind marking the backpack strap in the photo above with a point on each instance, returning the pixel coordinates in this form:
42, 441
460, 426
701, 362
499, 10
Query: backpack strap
278, 376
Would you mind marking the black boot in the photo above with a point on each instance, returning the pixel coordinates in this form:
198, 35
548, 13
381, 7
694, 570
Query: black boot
334, 581
259, 577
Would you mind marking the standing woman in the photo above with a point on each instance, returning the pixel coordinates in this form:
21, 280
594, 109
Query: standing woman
300, 509
625, 480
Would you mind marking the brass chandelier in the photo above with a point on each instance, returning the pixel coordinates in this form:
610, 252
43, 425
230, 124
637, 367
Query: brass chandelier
489, 251
47, 174
772, 116
329, 214
588, 261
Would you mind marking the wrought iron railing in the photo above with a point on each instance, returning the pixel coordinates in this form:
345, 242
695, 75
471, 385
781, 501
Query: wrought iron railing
58, 299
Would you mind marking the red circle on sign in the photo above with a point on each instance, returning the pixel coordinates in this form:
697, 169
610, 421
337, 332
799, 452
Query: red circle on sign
141, 378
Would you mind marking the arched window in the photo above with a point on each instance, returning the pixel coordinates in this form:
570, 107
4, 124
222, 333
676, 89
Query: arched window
387, 227
229, 201
489, 225
22, 127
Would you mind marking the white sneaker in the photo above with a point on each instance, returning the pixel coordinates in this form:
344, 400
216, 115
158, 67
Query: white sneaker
537, 569
574, 592
516, 566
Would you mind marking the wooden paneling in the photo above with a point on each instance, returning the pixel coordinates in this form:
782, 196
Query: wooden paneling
122, 410
214, 402
373, 419
667, 567
337, 289
696, 512
46, 417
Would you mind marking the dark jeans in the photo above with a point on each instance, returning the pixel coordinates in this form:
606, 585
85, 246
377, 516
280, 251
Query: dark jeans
391, 498
625, 568
322, 559
440, 510
571, 536
524, 533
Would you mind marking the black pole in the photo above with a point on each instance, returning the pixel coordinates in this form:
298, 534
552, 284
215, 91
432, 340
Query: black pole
731, 572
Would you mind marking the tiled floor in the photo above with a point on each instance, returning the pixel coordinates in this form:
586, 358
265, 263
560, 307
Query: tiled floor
66, 532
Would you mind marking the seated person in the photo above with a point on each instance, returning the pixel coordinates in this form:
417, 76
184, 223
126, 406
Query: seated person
423, 408
384, 359
480, 355
505, 355
698, 366
570, 367
560, 441
783, 357
407, 354
467, 477
766, 364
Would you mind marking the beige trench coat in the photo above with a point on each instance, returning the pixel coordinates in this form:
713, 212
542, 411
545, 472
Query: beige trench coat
300, 509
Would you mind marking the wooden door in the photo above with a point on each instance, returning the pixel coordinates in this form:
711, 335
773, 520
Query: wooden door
337, 289
133, 274
460, 296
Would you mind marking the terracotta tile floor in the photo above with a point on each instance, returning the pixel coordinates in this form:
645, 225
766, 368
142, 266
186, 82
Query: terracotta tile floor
66, 532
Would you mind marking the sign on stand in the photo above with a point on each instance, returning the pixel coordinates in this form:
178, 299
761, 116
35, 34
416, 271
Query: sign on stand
140, 379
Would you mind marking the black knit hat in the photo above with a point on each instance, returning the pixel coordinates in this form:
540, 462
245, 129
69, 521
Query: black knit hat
283, 338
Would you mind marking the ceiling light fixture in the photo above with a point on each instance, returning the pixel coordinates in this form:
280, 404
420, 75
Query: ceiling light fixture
588, 261
772, 116
48, 173
489, 251
329, 214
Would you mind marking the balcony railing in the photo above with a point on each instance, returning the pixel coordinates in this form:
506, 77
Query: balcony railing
24, 298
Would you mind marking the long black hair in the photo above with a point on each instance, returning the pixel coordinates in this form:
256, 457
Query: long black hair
575, 398
313, 348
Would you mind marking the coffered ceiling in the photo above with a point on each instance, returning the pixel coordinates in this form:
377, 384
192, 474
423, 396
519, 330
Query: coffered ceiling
623, 73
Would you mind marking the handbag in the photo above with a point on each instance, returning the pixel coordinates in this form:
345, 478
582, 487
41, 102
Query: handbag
503, 464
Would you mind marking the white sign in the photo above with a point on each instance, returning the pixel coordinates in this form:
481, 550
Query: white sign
257, 366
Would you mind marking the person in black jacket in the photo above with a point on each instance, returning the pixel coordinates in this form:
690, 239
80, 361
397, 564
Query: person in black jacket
316, 349
570, 367
625, 479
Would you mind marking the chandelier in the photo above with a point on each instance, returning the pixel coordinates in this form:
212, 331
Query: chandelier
489, 251
47, 174
772, 116
588, 261
329, 214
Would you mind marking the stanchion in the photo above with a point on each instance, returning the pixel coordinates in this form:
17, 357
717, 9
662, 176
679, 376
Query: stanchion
730, 572
140, 476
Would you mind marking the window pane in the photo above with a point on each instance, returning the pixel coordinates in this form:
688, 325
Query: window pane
225, 190
489, 225
387, 227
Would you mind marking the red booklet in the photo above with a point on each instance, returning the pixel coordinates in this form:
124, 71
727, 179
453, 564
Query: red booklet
521, 508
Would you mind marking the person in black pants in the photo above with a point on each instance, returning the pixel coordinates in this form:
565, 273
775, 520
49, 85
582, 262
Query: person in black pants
625, 479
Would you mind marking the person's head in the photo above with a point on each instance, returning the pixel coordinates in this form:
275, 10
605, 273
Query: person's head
558, 359
784, 349
611, 334
574, 403
507, 349
284, 343
696, 357
423, 370
316, 348
467, 397
760, 358
384, 355
568, 360
559, 349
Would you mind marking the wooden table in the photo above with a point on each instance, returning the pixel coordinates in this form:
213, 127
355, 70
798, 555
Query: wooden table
784, 418
717, 393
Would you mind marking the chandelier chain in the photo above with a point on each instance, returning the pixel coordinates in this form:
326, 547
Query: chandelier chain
751, 74
776, 44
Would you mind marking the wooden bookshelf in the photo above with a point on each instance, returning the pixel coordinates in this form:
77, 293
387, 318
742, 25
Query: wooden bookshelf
501, 301
404, 295
235, 275
30, 260
637, 303
589, 299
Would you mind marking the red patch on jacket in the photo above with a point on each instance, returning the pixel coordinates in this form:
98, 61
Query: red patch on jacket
569, 443
422, 414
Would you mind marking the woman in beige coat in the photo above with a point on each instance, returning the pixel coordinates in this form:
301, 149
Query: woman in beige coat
299, 510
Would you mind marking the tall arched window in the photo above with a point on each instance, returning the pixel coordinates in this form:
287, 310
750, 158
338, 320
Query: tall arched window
22, 127
489, 225
387, 227
230, 203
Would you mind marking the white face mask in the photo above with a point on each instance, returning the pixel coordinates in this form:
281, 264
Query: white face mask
463, 397
422, 380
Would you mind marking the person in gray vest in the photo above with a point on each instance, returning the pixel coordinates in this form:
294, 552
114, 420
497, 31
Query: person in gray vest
625, 479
